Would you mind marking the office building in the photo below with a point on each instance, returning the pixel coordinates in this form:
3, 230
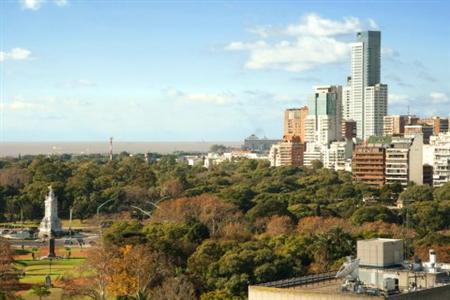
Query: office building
294, 123
368, 97
323, 123
368, 164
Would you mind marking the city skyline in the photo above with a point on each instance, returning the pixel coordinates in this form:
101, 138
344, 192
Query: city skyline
158, 71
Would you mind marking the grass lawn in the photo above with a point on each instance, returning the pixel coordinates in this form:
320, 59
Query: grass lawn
36, 270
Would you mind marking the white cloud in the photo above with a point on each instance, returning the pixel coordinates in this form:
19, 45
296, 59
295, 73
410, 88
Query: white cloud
238, 46
398, 99
32, 4
15, 54
372, 24
300, 55
309, 43
61, 2
388, 52
314, 25
209, 98
439, 97
36, 4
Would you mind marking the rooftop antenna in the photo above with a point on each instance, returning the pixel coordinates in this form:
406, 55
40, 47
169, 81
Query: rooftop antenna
110, 148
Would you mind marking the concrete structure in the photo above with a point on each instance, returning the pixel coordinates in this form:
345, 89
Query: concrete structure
323, 123
313, 151
439, 150
368, 164
294, 123
382, 274
347, 99
375, 108
380, 252
439, 125
337, 155
287, 153
428, 174
425, 130
395, 125
349, 129
368, 97
50, 224
256, 144
404, 160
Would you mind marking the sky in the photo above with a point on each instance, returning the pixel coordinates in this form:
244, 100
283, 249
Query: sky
203, 70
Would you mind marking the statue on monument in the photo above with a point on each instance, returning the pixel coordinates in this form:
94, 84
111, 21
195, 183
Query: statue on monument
50, 224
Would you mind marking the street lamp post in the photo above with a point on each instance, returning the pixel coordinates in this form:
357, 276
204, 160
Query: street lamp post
98, 220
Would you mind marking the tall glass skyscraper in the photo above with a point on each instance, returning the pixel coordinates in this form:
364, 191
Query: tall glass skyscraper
366, 55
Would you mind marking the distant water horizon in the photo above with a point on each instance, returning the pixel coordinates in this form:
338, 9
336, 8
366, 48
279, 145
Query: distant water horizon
14, 149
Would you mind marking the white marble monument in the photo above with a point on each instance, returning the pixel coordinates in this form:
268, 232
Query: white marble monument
50, 224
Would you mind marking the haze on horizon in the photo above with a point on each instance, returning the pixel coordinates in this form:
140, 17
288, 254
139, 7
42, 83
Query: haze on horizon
172, 71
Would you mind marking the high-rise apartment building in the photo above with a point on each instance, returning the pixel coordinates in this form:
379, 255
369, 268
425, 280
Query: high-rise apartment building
375, 108
294, 123
368, 164
287, 153
368, 103
323, 123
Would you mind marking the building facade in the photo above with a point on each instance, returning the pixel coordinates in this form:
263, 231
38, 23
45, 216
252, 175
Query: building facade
440, 146
368, 97
439, 125
294, 123
368, 164
404, 160
323, 123
395, 125
287, 153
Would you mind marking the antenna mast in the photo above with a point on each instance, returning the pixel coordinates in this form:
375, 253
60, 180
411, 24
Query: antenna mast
110, 148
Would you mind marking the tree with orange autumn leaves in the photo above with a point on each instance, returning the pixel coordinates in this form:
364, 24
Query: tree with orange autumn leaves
8, 275
124, 272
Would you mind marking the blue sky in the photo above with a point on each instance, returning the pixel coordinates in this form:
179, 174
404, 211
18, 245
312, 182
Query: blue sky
203, 70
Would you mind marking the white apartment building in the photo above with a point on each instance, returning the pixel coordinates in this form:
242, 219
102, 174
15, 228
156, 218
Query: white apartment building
314, 151
404, 160
439, 150
375, 108
337, 155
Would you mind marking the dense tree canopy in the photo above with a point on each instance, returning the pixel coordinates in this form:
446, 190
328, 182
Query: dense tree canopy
218, 230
